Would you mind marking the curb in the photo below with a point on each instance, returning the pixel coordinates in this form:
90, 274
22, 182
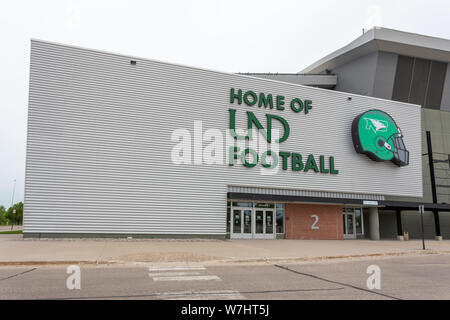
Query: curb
52, 263
229, 261
338, 257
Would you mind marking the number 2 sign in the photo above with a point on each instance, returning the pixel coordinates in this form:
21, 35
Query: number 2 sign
314, 226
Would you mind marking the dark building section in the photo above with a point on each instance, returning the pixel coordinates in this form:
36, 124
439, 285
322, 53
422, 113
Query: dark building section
419, 81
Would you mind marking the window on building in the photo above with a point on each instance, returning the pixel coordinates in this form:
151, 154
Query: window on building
228, 216
243, 204
237, 221
403, 76
419, 81
280, 217
436, 84
264, 205
358, 221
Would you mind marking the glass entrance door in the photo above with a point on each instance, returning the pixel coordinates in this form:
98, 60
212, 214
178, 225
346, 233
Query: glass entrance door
242, 223
248, 220
269, 222
264, 224
349, 225
259, 222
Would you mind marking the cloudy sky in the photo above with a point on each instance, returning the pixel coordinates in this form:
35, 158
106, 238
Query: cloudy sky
226, 35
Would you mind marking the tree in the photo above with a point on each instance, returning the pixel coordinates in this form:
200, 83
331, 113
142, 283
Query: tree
15, 218
2, 215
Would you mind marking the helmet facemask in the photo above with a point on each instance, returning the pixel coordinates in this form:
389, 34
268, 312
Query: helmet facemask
401, 155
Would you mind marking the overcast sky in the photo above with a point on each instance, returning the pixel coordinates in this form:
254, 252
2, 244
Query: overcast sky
227, 35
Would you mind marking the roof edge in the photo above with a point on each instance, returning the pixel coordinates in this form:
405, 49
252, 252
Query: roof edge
388, 40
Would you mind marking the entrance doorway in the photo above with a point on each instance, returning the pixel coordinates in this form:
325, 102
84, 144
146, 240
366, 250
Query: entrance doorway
242, 223
349, 225
250, 221
352, 222
264, 226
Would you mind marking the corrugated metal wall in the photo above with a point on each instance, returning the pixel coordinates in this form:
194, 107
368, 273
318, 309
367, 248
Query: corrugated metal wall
304, 193
99, 144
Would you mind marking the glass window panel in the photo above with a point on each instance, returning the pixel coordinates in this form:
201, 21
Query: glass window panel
247, 221
403, 76
237, 221
228, 219
269, 222
243, 204
259, 223
358, 222
264, 205
280, 221
436, 85
280, 205
349, 224
419, 81
345, 227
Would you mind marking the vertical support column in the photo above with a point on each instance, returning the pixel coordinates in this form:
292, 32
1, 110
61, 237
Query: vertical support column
374, 223
437, 225
398, 215
433, 186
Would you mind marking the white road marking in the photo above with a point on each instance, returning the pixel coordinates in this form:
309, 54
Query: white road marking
176, 268
158, 274
180, 273
202, 295
187, 278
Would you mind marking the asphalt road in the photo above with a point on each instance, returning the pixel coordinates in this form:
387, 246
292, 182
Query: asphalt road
422, 277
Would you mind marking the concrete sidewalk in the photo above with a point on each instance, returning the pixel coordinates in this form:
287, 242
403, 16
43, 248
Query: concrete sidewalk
16, 250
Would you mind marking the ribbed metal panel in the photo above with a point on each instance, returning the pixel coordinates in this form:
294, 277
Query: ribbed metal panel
315, 80
99, 144
304, 193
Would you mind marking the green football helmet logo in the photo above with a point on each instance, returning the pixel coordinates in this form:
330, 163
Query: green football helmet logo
376, 134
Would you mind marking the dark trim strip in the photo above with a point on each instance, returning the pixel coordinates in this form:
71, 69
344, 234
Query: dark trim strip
404, 205
386, 204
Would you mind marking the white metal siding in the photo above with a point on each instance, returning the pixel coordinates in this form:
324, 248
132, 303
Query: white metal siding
99, 144
304, 193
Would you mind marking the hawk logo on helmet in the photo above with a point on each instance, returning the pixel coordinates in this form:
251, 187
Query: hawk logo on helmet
376, 134
376, 125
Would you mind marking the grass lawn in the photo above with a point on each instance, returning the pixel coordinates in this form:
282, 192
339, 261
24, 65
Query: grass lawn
11, 232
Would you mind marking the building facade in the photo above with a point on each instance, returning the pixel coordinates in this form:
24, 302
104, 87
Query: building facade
121, 146
401, 66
